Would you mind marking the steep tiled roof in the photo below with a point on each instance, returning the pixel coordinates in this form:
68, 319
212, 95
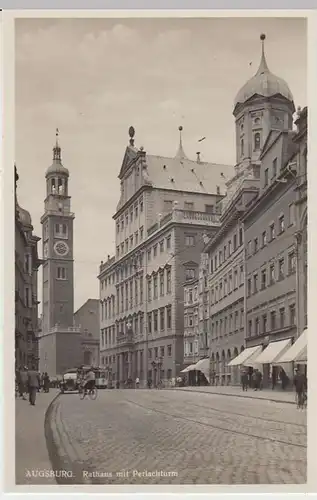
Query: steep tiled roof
182, 174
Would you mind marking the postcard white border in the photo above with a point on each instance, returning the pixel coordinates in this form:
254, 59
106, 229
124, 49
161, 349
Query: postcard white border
7, 185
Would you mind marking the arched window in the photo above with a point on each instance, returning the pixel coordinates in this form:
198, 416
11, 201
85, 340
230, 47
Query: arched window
241, 147
257, 141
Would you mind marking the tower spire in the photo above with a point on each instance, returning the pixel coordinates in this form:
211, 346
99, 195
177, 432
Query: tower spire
263, 68
180, 152
57, 149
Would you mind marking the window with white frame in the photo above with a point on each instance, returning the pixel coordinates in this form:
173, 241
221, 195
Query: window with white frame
61, 273
291, 214
189, 240
281, 223
61, 231
190, 274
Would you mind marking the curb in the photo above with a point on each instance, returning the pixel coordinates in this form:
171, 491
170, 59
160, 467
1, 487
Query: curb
235, 396
63, 455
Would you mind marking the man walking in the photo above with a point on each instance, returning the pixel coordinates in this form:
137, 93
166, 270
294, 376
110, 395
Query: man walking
137, 382
300, 384
33, 384
244, 381
23, 380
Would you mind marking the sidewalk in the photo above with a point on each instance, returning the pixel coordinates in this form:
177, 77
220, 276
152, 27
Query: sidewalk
278, 396
30, 445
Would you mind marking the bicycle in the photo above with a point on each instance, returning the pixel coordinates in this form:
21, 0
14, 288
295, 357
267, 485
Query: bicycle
92, 393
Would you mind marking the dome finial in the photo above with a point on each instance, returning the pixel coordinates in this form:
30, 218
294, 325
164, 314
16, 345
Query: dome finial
131, 135
263, 68
57, 150
180, 152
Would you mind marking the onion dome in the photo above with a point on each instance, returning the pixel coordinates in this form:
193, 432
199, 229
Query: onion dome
57, 168
263, 83
24, 216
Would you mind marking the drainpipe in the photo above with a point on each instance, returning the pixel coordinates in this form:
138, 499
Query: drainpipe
298, 240
145, 323
245, 288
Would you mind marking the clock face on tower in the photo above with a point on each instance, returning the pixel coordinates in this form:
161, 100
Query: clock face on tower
61, 248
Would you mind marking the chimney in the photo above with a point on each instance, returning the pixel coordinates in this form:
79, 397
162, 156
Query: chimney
198, 156
218, 190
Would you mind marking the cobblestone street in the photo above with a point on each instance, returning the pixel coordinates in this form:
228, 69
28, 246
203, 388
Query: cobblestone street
124, 436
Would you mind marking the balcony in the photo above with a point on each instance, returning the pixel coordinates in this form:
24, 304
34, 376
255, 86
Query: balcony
187, 217
65, 329
125, 339
108, 263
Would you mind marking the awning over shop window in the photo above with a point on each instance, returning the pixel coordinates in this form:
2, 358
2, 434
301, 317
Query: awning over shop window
251, 361
203, 365
273, 352
243, 357
298, 351
188, 369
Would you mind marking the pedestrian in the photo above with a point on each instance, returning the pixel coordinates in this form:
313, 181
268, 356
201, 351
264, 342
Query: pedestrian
284, 379
137, 382
149, 383
259, 379
33, 384
22, 381
244, 381
254, 381
274, 377
300, 383
46, 382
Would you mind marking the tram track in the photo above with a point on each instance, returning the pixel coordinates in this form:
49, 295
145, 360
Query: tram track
213, 426
217, 410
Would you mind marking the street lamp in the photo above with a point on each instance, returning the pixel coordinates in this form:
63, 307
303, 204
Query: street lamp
129, 337
158, 365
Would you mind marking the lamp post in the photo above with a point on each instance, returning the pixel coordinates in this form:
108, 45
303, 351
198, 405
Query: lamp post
158, 365
129, 337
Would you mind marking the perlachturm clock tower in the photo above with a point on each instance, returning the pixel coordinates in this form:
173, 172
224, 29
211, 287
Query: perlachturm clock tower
60, 340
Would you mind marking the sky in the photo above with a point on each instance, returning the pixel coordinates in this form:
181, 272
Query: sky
94, 78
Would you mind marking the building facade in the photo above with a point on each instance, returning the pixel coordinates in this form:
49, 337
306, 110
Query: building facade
163, 212
226, 279
274, 233
60, 341
191, 325
203, 305
27, 263
87, 319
